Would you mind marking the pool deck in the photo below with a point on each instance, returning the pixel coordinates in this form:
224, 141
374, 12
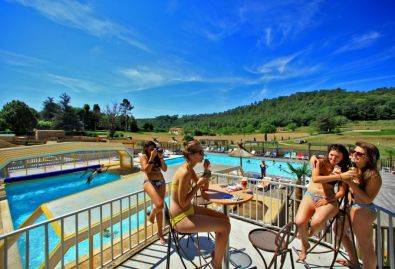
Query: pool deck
243, 255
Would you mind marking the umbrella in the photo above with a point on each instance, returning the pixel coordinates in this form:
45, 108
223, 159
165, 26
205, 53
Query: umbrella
241, 152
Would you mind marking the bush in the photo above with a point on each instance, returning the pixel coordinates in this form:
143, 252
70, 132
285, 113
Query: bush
292, 126
267, 128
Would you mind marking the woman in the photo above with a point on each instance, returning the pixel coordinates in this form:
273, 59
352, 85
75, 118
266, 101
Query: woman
364, 184
152, 164
320, 201
187, 218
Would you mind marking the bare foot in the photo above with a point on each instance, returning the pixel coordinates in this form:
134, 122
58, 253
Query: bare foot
303, 252
347, 263
162, 240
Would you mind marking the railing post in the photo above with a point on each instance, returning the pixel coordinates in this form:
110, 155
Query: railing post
379, 241
391, 243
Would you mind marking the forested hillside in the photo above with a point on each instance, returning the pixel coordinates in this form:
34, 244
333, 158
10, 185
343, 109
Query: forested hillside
300, 109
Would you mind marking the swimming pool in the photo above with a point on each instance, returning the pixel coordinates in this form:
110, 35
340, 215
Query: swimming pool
25, 196
252, 165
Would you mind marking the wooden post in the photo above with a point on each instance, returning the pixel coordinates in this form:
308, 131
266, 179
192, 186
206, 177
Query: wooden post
309, 150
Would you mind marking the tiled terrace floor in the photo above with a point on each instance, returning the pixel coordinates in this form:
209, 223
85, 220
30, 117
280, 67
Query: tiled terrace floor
243, 254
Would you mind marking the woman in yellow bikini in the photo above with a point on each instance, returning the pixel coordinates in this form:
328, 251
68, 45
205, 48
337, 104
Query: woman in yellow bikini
187, 218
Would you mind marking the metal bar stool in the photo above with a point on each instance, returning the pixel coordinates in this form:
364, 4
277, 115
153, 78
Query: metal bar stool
266, 239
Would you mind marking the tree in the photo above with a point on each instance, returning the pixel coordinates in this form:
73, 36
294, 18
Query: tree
187, 138
112, 114
325, 124
50, 109
292, 126
19, 117
66, 118
96, 116
125, 109
301, 173
148, 127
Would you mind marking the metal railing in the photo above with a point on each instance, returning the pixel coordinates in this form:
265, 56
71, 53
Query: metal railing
94, 237
275, 203
108, 233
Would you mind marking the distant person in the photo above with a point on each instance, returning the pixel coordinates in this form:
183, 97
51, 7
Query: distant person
152, 164
187, 218
263, 169
320, 201
207, 175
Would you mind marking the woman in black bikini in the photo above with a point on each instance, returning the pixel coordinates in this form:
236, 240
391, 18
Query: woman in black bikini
152, 164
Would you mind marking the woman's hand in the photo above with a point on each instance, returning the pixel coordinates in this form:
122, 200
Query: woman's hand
321, 202
349, 176
154, 153
201, 181
314, 161
337, 170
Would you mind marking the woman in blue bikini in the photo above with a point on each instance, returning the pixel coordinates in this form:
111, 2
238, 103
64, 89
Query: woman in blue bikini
320, 201
364, 184
152, 164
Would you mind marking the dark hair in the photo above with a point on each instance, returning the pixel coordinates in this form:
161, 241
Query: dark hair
372, 154
148, 153
191, 147
345, 162
206, 161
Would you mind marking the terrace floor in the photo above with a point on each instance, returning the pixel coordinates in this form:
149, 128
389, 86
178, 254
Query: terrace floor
243, 255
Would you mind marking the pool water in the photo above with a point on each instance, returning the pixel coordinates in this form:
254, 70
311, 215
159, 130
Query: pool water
252, 165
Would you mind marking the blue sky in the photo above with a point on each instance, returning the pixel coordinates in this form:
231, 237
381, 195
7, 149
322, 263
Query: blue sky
188, 57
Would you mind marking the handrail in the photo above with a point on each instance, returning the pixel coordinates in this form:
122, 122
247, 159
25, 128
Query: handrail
278, 206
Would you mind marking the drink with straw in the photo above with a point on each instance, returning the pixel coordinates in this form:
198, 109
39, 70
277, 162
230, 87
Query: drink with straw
244, 183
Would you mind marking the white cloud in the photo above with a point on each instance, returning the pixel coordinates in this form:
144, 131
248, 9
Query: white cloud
17, 59
75, 84
359, 42
142, 78
74, 14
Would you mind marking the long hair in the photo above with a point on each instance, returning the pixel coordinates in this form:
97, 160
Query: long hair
345, 162
372, 154
146, 147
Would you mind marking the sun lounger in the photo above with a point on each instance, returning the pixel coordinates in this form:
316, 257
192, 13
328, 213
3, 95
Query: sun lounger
287, 155
267, 154
293, 155
274, 154
300, 155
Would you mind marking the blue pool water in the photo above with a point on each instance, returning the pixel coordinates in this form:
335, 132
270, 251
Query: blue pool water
252, 165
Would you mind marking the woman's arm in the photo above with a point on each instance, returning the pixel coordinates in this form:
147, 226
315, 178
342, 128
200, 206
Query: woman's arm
185, 197
322, 179
371, 190
341, 191
146, 165
163, 164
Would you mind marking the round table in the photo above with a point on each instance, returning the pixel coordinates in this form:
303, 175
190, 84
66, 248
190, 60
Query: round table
219, 195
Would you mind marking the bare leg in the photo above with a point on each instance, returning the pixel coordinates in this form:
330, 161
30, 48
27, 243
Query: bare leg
157, 200
207, 223
305, 211
362, 220
159, 215
321, 216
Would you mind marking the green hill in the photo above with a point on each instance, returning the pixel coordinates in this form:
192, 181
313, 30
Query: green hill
299, 109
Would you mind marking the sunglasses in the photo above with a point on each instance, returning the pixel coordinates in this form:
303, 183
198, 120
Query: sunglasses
201, 152
359, 154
